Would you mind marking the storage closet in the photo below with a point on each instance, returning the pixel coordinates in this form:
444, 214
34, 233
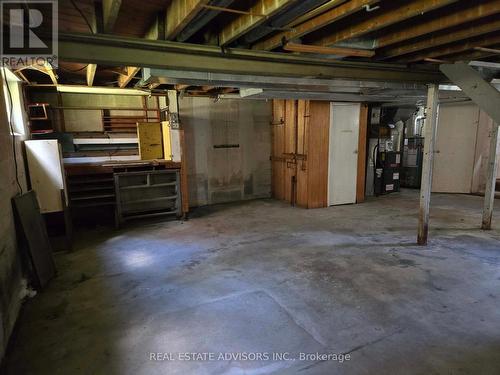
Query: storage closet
318, 152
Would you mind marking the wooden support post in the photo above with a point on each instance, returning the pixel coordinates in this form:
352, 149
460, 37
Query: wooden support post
429, 144
491, 178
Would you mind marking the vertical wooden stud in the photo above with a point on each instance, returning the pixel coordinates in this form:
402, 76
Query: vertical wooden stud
429, 145
491, 178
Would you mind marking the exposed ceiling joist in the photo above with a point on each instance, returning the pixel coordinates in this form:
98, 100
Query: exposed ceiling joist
455, 48
381, 19
313, 24
50, 73
472, 55
494, 51
262, 10
179, 14
91, 69
440, 23
180, 87
341, 51
157, 29
436, 41
122, 51
110, 10
123, 80
316, 12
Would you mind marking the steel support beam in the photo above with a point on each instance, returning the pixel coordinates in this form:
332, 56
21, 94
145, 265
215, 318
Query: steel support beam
491, 178
122, 51
429, 145
475, 87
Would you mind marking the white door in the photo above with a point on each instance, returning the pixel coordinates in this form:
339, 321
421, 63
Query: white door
343, 153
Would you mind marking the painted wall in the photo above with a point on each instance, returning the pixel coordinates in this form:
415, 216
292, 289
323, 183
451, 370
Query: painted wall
228, 145
11, 280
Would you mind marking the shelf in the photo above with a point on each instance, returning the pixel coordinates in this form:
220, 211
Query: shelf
148, 186
74, 199
92, 204
171, 197
89, 188
90, 181
140, 215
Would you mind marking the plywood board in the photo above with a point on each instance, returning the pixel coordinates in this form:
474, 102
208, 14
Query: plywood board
343, 153
46, 173
362, 145
455, 148
290, 126
290, 138
35, 235
150, 140
278, 163
317, 156
302, 151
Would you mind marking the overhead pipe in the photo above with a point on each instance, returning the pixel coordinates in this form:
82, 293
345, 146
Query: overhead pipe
202, 19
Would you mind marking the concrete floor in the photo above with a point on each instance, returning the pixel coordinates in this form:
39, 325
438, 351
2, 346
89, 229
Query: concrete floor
264, 277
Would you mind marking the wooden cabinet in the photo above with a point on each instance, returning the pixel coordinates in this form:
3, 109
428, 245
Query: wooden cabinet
302, 153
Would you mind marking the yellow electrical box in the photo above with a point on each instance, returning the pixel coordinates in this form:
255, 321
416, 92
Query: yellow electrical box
167, 145
149, 135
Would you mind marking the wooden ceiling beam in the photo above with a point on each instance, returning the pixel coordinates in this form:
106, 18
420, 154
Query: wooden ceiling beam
472, 55
436, 41
50, 72
342, 51
313, 24
179, 14
440, 23
262, 10
91, 69
180, 87
123, 80
110, 10
493, 51
381, 19
453, 49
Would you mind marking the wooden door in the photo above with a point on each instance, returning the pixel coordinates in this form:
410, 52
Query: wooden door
290, 147
284, 148
278, 143
343, 153
303, 116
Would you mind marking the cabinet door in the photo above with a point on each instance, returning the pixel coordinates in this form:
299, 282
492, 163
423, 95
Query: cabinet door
343, 153
150, 140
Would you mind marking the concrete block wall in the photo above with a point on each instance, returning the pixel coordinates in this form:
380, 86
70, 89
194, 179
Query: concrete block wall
11, 278
228, 146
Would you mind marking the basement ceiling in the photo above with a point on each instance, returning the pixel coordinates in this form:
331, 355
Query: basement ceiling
411, 33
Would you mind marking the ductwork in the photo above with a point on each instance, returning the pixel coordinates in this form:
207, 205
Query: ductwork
201, 19
281, 20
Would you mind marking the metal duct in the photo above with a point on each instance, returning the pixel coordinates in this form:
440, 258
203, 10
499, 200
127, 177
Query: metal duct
281, 20
201, 19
